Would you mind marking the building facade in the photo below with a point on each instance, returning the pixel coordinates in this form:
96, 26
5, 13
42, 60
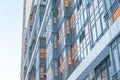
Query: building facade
71, 40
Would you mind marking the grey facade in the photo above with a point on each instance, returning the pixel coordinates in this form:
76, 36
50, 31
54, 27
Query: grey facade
71, 40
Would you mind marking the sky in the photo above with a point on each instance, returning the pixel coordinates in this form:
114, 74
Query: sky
11, 14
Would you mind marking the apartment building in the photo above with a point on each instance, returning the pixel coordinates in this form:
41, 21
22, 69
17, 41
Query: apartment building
71, 40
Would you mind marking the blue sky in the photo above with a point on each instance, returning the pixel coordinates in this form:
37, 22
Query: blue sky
10, 38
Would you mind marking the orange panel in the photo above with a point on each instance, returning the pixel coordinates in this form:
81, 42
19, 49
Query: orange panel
42, 53
75, 48
116, 14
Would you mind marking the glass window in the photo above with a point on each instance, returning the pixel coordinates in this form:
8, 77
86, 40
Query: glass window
98, 77
101, 10
112, 1
110, 22
56, 68
85, 53
116, 58
94, 36
85, 14
92, 20
74, 50
98, 26
86, 29
67, 27
88, 48
82, 21
82, 36
72, 19
55, 41
101, 72
96, 11
91, 10
42, 72
97, 14
61, 36
79, 23
62, 68
104, 75
82, 55
119, 47
91, 75
109, 72
77, 28
59, 8
107, 4
79, 4
100, 3
98, 72
104, 26
95, 3
50, 73
69, 56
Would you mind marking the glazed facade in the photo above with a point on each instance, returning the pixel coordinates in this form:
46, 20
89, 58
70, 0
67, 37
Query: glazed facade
71, 40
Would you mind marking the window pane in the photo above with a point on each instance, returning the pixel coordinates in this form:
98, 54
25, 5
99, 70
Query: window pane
95, 4
112, 1
107, 4
85, 54
79, 4
82, 36
116, 58
110, 22
98, 25
119, 47
82, 55
103, 22
79, 23
94, 34
109, 70
91, 10
104, 75
88, 48
72, 19
98, 77
82, 21
85, 14
91, 75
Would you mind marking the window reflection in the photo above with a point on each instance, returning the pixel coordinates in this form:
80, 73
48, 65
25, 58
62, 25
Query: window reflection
116, 58
104, 75
98, 25
101, 72
94, 36
98, 77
